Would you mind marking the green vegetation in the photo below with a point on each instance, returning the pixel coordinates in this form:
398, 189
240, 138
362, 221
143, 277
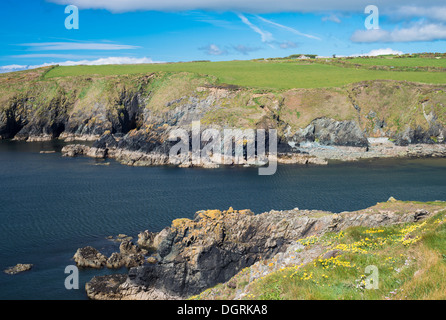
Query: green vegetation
401, 62
277, 74
410, 259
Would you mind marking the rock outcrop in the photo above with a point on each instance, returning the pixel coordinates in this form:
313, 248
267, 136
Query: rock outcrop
194, 255
129, 255
331, 132
20, 267
89, 257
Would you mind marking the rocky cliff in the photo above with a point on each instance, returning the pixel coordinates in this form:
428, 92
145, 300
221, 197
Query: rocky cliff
136, 113
193, 255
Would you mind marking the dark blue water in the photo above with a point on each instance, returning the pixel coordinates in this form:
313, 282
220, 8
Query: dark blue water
51, 205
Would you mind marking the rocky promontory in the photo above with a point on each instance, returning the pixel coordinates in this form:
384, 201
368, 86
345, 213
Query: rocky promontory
195, 254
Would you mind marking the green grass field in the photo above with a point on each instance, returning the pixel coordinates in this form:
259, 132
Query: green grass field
401, 62
261, 74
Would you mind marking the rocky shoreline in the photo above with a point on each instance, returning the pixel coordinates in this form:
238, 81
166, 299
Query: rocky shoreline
195, 254
306, 154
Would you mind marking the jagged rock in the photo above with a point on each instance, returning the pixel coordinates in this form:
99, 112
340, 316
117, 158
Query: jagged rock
128, 247
133, 260
115, 261
105, 287
419, 135
20, 267
420, 214
129, 257
107, 140
331, 132
159, 238
73, 150
145, 240
89, 257
116, 287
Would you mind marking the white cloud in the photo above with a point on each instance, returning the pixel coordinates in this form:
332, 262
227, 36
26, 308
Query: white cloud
12, 67
48, 46
418, 32
100, 61
249, 6
288, 28
379, 52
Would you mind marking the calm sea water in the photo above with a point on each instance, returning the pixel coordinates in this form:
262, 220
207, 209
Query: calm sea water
51, 205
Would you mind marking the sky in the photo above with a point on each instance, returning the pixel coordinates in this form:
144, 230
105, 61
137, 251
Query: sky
41, 32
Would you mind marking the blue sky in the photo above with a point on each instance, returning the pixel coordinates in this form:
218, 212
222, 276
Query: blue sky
33, 33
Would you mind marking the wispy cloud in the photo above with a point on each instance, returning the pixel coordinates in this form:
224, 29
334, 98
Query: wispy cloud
56, 46
265, 35
292, 30
50, 55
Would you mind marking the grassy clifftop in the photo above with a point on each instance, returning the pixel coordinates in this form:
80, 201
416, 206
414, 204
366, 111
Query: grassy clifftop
409, 261
269, 74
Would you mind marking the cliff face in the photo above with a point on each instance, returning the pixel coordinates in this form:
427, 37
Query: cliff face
141, 110
193, 255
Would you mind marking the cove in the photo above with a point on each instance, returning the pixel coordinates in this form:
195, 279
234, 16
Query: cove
50, 205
